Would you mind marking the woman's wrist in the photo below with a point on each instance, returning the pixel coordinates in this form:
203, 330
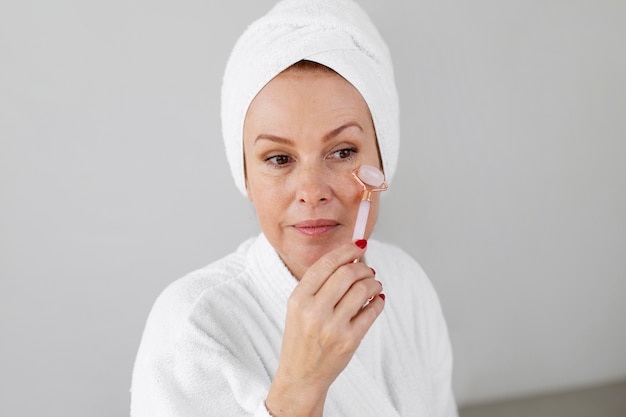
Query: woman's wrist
292, 400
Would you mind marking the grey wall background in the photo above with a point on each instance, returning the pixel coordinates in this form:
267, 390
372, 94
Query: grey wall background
511, 190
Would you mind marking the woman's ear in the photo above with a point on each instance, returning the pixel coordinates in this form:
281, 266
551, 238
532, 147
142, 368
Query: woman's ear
245, 177
249, 191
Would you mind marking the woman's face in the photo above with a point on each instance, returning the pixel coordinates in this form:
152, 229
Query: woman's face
304, 133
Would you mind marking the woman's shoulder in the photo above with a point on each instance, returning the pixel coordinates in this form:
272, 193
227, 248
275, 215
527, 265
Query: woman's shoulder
177, 301
217, 273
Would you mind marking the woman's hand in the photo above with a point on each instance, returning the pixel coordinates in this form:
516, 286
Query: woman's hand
325, 324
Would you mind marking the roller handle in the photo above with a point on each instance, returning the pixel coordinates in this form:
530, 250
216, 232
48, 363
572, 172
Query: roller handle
361, 220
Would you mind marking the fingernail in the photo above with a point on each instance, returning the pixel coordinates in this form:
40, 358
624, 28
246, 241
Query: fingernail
361, 243
381, 295
373, 270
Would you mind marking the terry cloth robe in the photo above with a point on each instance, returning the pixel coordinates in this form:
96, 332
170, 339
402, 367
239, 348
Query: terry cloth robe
212, 343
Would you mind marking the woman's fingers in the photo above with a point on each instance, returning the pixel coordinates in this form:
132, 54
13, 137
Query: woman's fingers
324, 267
336, 285
359, 294
350, 284
367, 315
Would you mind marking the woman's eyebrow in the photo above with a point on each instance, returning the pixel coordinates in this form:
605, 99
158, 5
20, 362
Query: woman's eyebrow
273, 138
328, 136
335, 132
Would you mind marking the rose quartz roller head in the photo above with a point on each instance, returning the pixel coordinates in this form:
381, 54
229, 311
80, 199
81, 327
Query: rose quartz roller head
372, 180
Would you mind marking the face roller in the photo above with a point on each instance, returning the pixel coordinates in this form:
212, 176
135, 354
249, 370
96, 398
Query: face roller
372, 180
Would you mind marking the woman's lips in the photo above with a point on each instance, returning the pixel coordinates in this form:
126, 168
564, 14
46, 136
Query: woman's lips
315, 227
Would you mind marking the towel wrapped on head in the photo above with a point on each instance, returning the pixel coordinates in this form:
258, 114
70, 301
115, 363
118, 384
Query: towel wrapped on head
334, 33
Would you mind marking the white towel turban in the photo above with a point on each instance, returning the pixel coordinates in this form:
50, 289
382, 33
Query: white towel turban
334, 33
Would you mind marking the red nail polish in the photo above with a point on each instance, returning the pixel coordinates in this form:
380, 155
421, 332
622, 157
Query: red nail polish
361, 243
381, 295
373, 270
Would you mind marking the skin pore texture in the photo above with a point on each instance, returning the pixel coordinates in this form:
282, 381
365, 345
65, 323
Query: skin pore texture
304, 133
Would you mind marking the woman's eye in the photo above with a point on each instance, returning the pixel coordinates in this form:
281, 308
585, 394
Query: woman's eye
278, 159
344, 153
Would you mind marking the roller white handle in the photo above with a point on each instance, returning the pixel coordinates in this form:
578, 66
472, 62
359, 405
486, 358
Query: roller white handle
361, 220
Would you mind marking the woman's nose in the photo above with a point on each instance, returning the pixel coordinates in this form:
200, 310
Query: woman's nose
313, 186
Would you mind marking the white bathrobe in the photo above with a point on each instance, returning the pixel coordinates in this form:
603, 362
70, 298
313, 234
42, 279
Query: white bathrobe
212, 343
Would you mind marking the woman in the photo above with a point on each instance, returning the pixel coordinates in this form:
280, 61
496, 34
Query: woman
295, 322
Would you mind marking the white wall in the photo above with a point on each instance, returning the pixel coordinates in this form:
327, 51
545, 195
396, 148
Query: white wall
511, 190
